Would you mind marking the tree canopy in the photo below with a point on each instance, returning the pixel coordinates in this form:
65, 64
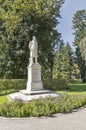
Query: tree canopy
19, 21
63, 63
79, 26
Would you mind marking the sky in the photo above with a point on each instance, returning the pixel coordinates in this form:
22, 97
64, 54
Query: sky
68, 10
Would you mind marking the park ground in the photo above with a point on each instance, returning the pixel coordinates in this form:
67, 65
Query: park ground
72, 97
74, 120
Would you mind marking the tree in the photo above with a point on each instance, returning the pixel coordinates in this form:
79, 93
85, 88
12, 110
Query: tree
82, 47
20, 21
63, 64
79, 26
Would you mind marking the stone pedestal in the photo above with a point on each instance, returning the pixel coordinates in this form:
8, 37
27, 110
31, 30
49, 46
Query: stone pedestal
34, 82
18, 96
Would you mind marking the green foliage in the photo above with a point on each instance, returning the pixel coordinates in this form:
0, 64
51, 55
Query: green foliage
81, 63
79, 26
43, 107
19, 21
63, 63
11, 85
84, 79
55, 84
76, 70
46, 107
82, 47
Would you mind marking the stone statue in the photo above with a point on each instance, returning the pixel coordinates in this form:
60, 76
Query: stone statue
33, 46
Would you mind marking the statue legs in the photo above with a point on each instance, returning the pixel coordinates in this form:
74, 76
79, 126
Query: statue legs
33, 60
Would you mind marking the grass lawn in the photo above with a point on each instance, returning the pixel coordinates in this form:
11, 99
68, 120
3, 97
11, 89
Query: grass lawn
3, 99
75, 88
3, 96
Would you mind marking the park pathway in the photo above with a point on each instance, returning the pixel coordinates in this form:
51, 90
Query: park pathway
71, 121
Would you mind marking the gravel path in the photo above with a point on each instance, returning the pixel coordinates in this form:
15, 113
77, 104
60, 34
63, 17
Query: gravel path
72, 121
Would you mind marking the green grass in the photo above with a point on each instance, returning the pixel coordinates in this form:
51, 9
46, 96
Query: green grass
3, 99
3, 95
75, 88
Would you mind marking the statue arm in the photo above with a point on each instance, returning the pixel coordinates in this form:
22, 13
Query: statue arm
30, 44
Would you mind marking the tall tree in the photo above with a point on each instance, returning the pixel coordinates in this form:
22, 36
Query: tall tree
82, 47
63, 64
79, 26
20, 21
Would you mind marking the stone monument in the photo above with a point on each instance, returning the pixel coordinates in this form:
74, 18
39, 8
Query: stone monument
34, 82
34, 88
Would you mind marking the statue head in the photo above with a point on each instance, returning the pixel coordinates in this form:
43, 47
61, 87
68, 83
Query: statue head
34, 38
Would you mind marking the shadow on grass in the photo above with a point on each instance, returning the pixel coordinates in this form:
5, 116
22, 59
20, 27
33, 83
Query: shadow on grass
77, 87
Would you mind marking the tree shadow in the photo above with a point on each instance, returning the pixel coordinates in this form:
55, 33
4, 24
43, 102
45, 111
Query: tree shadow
77, 88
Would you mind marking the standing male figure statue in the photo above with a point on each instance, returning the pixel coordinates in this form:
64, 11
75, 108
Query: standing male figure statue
33, 46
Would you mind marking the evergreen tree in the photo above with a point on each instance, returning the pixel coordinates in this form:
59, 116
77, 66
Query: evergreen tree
79, 26
63, 64
82, 47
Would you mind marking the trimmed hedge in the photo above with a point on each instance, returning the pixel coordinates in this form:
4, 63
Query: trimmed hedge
9, 84
55, 84
43, 107
18, 84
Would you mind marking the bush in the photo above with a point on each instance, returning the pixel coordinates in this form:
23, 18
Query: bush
11, 109
84, 79
55, 84
43, 107
12, 84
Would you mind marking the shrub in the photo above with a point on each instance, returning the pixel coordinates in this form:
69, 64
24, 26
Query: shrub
55, 84
12, 84
29, 109
84, 79
11, 109
43, 107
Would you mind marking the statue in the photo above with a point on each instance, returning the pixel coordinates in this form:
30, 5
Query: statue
33, 46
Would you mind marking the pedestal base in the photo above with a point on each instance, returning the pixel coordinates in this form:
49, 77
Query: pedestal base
18, 96
34, 86
26, 92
